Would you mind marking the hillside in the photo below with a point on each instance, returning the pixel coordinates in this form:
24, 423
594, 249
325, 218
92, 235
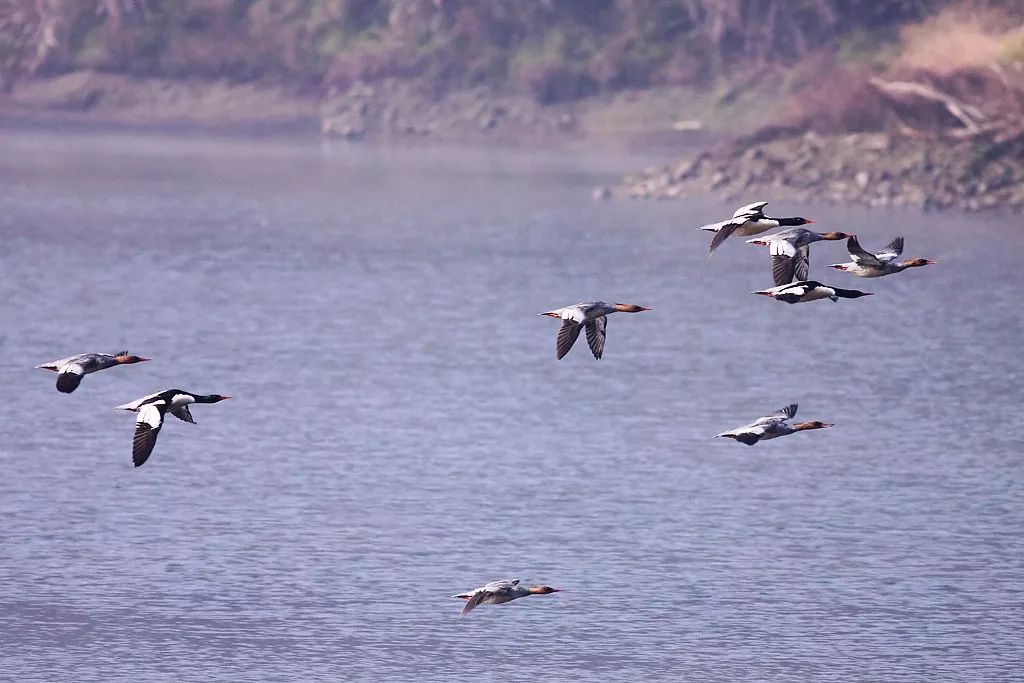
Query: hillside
925, 73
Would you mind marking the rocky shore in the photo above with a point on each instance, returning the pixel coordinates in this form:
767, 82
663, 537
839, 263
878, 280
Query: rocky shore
878, 169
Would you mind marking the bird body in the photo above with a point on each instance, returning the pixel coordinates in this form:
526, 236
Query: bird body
771, 426
748, 220
500, 592
809, 290
591, 315
790, 252
863, 263
72, 369
151, 410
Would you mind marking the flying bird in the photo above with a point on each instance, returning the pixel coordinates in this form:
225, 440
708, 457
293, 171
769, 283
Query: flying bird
499, 592
749, 220
865, 264
72, 369
790, 252
151, 410
593, 316
809, 290
771, 427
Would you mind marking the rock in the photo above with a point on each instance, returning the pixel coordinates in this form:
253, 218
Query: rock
862, 179
601, 193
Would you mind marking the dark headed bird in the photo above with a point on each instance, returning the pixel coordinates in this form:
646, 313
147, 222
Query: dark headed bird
809, 290
749, 220
151, 410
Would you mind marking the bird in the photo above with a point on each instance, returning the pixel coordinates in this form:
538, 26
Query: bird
772, 426
592, 315
151, 410
790, 252
810, 290
749, 220
72, 369
499, 592
866, 264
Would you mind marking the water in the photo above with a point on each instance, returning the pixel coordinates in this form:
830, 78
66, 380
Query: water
401, 430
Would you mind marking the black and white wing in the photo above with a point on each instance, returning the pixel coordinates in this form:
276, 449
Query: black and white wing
859, 255
147, 427
781, 414
183, 413
751, 211
69, 376
596, 335
892, 251
725, 229
747, 434
567, 335
789, 263
750, 435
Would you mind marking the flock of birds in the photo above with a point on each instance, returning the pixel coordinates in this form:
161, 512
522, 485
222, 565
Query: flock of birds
790, 260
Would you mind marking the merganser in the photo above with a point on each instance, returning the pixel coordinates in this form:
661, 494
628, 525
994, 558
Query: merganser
749, 220
499, 592
866, 264
771, 427
591, 315
72, 369
809, 290
151, 410
791, 258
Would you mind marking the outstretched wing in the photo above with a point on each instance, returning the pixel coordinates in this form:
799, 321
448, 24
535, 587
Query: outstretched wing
725, 229
789, 263
892, 251
596, 335
859, 255
783, 413
69, 377
567, 335
475, 600
754, 210
183, 413
147, 427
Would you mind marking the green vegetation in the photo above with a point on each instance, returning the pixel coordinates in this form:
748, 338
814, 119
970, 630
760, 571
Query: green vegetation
552, 49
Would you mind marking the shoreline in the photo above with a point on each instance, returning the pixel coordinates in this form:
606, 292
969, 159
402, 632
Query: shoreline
873, 169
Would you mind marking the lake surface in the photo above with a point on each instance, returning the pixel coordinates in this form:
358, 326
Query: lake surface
401, 430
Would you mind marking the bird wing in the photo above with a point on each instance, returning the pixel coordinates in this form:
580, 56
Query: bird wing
802, 263
859, 255
476, 599
786, 260
183, 413
137, 403
748, 434
892, 251
596, 335
69, 376
783, 413
726, 228
567, 335
750, 210
147, 427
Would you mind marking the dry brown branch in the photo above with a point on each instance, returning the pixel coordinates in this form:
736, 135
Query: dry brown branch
905, 92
